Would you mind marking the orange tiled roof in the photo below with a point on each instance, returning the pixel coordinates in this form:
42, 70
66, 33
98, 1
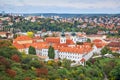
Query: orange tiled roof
20, 38
97, 41
57, 40
68, 41
114, 44
114, 49
78, 49
19, 46
53, 39
2, 33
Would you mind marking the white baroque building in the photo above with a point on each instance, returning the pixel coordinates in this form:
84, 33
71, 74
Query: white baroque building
63, 47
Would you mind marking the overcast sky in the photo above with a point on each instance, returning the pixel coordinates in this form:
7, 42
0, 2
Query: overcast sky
60, 6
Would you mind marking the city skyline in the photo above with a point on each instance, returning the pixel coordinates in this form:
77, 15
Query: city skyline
60, 6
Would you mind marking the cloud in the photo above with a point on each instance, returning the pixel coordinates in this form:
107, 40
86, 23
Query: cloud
70, 3
61, 4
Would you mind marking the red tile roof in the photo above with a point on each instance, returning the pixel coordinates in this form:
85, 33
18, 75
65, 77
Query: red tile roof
19, 46
2, 33
114, 44
20, 38
68, 41
53, 39
79, 49
57, 40
97, 41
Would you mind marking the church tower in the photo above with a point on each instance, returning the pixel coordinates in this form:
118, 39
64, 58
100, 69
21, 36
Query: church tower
73, 34
62, 38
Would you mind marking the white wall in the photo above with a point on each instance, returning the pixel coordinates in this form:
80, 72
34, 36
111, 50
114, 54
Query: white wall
81, 39
44, 52
39, 52
56, 54
72, 56
62, 39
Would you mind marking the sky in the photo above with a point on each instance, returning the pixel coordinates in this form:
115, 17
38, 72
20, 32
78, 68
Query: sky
60, 6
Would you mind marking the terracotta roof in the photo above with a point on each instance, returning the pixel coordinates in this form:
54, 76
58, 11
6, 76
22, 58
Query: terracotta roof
2, 33
97, 40
57, 40
68, 41
20, 38
98, 43
115, 49
77, 50
19, 46
114, 44
53, 39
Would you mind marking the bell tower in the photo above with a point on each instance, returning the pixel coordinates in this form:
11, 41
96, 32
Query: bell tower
62, 38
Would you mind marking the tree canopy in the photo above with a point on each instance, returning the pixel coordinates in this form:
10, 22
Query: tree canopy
51, 52
106, 50
32, 50
30, 34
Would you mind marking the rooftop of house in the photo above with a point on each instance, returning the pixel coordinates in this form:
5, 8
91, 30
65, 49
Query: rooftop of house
57, 40
114, 44
2, 33
23, 37
97, 41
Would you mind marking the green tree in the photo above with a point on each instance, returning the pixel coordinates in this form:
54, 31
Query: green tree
5, 22
7, 52
62, 72
5, 43
51, 53
88, 40
32, 50
66, 63
35, 63
115, 73
106, 50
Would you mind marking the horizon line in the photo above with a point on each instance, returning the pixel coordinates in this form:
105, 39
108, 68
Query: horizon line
52, 13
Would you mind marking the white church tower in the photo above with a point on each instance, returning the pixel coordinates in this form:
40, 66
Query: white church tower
62, 38
73, 36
